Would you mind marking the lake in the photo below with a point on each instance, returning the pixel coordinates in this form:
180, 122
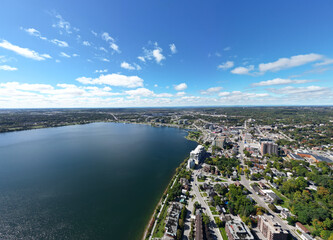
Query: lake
94, 181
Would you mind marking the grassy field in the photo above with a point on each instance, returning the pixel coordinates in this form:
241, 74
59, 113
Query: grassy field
159, 229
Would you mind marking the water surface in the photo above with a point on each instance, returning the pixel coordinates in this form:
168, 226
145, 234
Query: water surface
95, 181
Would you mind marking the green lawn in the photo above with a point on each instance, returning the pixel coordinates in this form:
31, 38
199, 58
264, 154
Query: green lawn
201, 179
222, 230
213, 209
159, 229
223, 233
204, 194
283, 198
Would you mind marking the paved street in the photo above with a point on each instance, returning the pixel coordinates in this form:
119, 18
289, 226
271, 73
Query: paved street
205, 206
246, 183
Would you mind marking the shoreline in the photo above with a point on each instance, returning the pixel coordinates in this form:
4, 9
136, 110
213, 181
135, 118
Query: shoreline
151, 218
78, 123
161, 198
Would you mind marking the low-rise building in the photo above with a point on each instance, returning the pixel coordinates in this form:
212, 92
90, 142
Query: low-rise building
198, 226
270, 229
301, 228
237, 230
306, 236
172, 219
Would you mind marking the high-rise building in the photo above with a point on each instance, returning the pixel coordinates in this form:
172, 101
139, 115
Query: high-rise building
198, 154
269, 147
270, 228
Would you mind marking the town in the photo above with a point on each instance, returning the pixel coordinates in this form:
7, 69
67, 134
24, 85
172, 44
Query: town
256, 173
247, 182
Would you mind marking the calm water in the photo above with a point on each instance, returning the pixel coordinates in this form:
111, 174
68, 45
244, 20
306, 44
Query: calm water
95, 181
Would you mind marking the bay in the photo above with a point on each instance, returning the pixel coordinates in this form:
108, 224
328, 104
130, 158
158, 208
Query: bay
94, 181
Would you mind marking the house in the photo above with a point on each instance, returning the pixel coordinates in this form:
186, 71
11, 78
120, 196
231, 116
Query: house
262, 185
301, 228
272, 196
256, 189
285, 213
218, 209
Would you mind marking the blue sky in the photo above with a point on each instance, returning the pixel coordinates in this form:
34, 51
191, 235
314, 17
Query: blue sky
165, 53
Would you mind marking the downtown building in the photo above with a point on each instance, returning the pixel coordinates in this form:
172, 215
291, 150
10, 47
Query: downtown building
270, 228
197, 156
268, 147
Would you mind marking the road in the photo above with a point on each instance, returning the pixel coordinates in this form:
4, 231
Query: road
246, 183
203, 204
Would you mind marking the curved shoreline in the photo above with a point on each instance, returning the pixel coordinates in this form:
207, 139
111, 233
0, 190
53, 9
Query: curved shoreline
161, 198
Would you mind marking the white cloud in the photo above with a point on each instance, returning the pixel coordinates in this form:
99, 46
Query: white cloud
115, 47
173, 48
280, 81
86, 43
152, 54
25, 52
59, 43
105, 60
63, 25
138, 67
155, 85
26, 86
211, 90
140, 92
75, 55
7, 68
242, 70
227, 49
180, 94
3, 59
238, 97
157, 53
36, 33
326, 61
226, 65
180, 87
128, 66
101, 71
103, 49
294, 61
107, 37
301, 90
142, 59
111, 41
62, 54
94, 33
223, 94
113, 79
144, 92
